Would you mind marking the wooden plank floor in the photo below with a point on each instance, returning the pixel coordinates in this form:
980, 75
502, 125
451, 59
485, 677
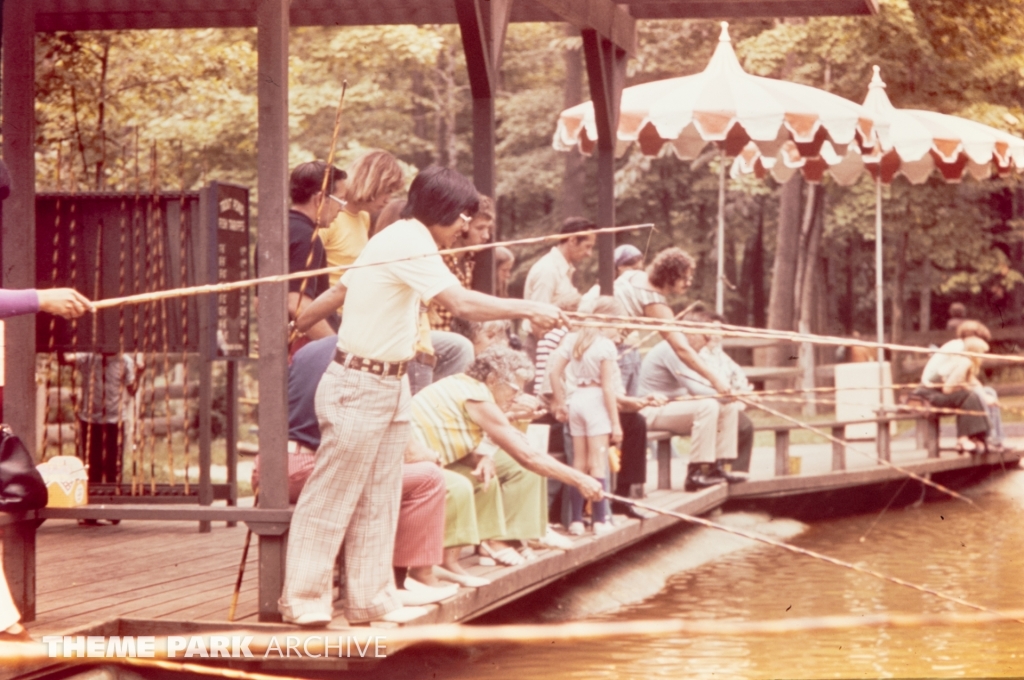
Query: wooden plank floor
167, 570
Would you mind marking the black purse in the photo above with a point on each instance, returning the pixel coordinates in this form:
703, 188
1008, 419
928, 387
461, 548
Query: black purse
21, 486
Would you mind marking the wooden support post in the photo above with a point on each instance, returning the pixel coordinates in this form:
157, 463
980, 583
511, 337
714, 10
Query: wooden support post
838, 449
207, 229
483, 24
930, 425
665, 463
781, 453
606, 71
19, 213
19, 271
272, 24
231, 438
884, 448
19, 564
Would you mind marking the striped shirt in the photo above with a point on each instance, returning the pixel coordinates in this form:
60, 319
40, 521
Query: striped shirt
441, 422
632, 292
545, 346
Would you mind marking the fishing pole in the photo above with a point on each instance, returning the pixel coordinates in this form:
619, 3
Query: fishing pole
211, 288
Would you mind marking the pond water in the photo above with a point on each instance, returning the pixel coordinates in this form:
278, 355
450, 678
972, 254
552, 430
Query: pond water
972, 553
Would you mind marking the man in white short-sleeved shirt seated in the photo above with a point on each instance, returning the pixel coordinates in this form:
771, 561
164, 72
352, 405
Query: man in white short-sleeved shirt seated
362, 403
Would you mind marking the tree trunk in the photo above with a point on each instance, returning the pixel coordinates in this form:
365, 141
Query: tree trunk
813, 221
804, 261
899, 282
780, 302
570, 202
925, 322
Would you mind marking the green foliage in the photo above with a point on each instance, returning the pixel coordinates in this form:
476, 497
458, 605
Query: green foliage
408, 92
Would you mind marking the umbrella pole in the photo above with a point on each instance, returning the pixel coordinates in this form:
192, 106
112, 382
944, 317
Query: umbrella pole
720, 279
879, 302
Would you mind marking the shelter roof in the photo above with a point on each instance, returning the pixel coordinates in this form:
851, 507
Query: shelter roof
614, 21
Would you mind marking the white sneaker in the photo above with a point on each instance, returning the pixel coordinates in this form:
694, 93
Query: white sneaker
577, 529
309, 620
404, 614
424, 594
466, 580
602, 528
552, 540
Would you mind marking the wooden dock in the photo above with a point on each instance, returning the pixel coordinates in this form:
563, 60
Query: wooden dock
168, 572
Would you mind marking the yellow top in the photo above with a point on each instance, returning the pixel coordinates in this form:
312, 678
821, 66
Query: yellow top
344, 240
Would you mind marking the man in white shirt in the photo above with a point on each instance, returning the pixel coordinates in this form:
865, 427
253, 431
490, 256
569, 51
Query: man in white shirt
362, 402
550, 277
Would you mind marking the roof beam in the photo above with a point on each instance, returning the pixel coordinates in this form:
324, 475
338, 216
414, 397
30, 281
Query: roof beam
723, 9
604, 17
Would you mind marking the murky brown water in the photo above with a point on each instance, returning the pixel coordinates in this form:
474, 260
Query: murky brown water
700, 574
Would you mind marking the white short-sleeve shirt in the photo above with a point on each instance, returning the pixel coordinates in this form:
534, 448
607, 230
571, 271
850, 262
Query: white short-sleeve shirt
383, 302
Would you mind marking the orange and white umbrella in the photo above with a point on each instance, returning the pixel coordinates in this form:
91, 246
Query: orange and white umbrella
725, 105
914, 143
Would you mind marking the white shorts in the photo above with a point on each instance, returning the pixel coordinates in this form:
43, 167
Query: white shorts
588, 415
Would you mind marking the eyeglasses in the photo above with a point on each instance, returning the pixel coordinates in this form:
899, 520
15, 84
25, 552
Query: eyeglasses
465, 218
516, 389
337, 200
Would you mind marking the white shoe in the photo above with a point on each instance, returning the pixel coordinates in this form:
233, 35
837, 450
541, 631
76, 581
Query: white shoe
577, 529
309, 620
461, 579
602, 528
404, 614
424, 594
552, 540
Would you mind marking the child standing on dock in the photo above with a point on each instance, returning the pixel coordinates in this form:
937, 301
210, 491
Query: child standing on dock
593, 414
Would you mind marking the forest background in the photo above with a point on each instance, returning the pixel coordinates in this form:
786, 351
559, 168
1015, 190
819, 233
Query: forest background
105, 100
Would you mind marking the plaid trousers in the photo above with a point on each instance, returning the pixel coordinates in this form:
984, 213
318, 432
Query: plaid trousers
352, 495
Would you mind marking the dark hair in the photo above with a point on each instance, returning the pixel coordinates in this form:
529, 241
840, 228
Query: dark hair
957, 310
308, 178
439, 195
671, 265
571, 225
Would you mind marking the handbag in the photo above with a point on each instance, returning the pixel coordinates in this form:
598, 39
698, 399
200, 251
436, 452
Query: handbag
21, 486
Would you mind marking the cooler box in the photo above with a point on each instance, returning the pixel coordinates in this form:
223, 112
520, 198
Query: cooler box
66, 482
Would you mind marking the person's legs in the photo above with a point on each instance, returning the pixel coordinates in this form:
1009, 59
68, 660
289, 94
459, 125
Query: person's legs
420, 375
454, 353
597, 467
8, 611
579, 462
744, 443
522, 494
634, 453
370, 539
355, 410
995, 415
699, 418
419, 538
727, 431
488, 503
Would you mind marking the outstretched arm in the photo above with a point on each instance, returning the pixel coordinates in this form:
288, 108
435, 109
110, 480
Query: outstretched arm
488, 416
475, 306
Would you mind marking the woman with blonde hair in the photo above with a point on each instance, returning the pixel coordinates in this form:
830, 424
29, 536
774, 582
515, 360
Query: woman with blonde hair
951, 382
504, 260
372, 180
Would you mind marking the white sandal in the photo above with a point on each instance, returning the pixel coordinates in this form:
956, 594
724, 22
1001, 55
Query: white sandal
506, 557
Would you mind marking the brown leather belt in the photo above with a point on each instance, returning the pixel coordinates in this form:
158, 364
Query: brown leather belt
385, 369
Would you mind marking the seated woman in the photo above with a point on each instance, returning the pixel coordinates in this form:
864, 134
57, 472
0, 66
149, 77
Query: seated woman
952, 383
462, 418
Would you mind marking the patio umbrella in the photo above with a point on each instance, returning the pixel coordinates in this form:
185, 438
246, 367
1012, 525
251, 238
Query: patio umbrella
728, 107
914, 143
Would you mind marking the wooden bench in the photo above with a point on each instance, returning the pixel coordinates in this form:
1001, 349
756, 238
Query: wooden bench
927, 429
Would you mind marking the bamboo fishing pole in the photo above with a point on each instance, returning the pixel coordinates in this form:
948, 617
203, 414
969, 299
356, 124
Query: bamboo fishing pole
212, 288
671, 326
